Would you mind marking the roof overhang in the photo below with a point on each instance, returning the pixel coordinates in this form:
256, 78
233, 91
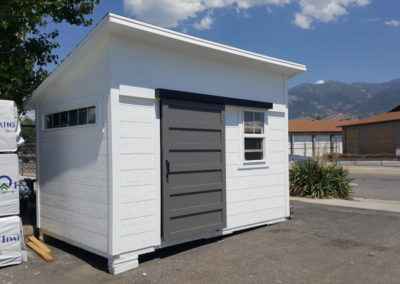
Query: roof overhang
150, 32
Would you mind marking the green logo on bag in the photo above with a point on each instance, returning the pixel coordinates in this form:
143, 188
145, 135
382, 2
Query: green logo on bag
5, 184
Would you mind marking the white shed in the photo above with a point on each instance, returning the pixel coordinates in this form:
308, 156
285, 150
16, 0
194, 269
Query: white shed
149, 138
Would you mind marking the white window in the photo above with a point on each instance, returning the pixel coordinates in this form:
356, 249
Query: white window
69, 118
254, 136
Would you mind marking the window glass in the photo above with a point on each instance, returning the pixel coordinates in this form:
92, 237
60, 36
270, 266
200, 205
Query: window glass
248, 122
82, 116
254, 156
91, 115
258, 122
57, 120
253, 122
253, 143
71, 118
49, 121
64, 119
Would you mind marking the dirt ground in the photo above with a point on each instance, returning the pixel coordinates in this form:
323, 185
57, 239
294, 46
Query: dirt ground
321, 244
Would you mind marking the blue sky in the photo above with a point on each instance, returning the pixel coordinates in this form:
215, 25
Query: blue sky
345, 40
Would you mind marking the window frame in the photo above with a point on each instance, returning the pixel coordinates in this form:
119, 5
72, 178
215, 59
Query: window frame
245, 164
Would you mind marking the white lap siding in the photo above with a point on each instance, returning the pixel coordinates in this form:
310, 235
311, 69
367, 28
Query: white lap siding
256, 195
138, 173
74, 181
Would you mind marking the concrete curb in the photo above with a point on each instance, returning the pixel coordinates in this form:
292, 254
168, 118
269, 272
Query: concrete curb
359, 203
370, 163
386, 171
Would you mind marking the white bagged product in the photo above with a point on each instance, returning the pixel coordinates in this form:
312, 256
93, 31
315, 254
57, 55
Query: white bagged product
12, 249
9, 126
9, 193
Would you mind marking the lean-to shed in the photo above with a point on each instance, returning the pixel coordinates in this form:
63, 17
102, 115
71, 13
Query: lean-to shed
149, 138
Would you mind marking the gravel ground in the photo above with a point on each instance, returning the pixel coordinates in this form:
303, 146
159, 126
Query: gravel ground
320, 244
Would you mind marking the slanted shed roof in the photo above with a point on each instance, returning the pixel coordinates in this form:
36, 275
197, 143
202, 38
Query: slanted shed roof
112, 23
315, 126
380, 118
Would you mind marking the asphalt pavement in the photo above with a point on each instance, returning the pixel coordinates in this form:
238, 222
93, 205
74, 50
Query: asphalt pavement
376, 183
320, 244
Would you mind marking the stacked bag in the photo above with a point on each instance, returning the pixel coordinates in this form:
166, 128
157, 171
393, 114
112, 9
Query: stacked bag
12, 249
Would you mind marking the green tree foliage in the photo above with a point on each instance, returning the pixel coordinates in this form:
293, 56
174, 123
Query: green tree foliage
28, 130
25, 49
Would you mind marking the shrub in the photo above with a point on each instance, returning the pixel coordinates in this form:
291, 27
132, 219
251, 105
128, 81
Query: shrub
313, 179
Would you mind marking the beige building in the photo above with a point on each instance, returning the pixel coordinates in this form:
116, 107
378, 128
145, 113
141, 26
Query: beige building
376, 135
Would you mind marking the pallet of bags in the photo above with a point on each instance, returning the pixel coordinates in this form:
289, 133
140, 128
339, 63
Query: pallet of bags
12, 248
9, 187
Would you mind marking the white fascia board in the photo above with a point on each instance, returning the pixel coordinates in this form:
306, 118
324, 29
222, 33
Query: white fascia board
292, 67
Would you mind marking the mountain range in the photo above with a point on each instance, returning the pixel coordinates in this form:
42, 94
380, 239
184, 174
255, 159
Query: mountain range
333, 99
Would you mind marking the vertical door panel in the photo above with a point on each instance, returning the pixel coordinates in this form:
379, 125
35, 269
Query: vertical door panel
193, 146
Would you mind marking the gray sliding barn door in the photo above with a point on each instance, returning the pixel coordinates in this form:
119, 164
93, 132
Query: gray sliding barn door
193, 170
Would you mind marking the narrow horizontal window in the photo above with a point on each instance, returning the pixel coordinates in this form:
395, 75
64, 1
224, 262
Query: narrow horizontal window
82, 116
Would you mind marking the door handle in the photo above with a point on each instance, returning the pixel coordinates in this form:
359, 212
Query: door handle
167, 169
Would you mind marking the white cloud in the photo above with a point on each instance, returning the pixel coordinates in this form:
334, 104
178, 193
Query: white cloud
204, 24
324, 11
393, 23
170, 13
302, 21
320, 82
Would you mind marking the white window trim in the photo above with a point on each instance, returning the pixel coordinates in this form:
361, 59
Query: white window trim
256, 164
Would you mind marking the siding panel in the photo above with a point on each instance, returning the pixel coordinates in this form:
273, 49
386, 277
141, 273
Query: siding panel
73, 176
256, 195
139, 205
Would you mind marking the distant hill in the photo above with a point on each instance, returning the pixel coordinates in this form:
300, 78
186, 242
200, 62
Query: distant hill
332, 99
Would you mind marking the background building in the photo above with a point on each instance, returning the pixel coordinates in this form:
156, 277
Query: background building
314, 138
376, 135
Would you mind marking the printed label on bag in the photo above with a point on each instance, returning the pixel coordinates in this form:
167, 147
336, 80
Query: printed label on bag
8, 124
9, 239
7, 184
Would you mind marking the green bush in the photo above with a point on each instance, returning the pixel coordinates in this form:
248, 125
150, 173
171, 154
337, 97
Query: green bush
313, 179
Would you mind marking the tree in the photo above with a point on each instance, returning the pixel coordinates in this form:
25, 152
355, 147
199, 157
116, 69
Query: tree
28, 130
25, 49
